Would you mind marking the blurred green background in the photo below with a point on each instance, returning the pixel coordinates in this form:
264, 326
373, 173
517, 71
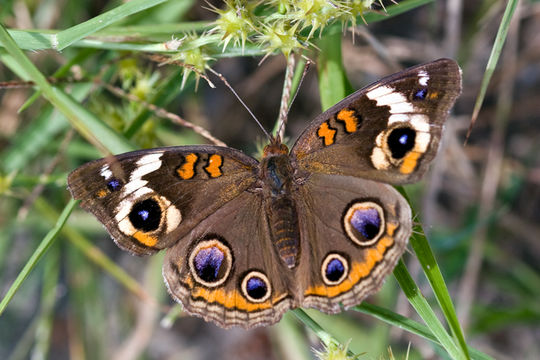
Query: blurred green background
69, 293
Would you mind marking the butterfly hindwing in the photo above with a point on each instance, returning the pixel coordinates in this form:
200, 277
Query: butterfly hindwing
362, 227
225, 269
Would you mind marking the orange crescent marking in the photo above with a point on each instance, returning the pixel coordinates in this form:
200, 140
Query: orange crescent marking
391, 228
409, 162
214, 166
233, 299
327, 133
350, 120
187, 170
359, 270
145, 239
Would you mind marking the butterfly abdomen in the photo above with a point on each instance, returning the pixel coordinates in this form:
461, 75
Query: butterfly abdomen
284, 228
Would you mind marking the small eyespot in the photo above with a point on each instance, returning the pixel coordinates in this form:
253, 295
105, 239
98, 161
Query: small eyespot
114, 184
420, 94
256, 287
145, 215
334, 269
364, 222
210, 262
400, 141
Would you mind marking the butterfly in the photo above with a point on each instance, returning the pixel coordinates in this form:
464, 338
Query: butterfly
318, 226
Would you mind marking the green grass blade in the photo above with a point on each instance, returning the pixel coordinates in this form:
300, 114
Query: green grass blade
84, 121
67, 37
62, 71
45, 244
92, 128
420, 304
32, 39
157, 29
291, 339
29, 142
494, 56
410, 325
396, 9
333, 82
321, 333
51, 273
94, 253
433, 273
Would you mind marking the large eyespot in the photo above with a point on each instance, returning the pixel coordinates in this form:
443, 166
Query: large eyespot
145, 215
334, 269
210, 262
400, 141
256, 287
364, 222
406, 139
146, 218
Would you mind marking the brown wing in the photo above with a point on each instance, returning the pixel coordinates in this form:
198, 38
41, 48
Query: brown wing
353, 232
388, 131
225, 270
150, 199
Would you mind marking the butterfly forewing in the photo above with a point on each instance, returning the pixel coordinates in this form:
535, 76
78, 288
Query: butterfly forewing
149, 199
388, 131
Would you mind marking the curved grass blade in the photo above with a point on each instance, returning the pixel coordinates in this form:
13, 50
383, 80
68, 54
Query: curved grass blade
45, 244
493, 59
325, 336
67, 37
409, 325
85, 122
433, 273
420, 304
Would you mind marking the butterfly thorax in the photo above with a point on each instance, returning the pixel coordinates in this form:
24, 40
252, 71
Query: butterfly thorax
276, 174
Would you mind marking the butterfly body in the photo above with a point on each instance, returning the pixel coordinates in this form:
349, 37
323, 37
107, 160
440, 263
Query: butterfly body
314, 227
280, 182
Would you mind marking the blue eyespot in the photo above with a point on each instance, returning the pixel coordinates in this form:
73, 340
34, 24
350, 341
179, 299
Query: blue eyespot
208, 263
144, 214
256, 287
114, 184
367, 222
335, 270
420, 94
364, 222
403, 139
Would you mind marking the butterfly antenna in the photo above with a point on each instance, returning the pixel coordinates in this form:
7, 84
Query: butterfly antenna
222, 78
